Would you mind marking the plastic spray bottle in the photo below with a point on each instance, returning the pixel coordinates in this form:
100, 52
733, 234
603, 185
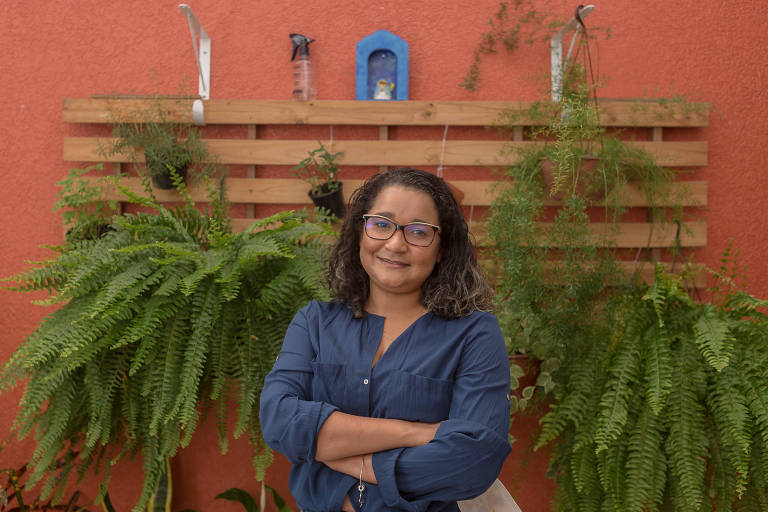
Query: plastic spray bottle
303, 77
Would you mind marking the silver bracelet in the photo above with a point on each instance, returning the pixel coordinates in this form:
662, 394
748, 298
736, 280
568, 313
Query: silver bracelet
361, 485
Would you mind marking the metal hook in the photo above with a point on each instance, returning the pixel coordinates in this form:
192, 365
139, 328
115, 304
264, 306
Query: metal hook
556, 49
203, 58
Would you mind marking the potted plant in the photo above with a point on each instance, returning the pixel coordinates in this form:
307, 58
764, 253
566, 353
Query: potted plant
320, 170
168, 147
168, 315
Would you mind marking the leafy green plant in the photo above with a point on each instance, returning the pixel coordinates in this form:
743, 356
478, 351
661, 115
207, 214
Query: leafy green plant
85, 213
667, 407
159, 321
552, 270
515, 23
320, 170
163, 142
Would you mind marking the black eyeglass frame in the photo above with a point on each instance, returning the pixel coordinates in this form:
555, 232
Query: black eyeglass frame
401, 227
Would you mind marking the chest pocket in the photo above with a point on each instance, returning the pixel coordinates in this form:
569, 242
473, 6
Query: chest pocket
411, 397
328, 383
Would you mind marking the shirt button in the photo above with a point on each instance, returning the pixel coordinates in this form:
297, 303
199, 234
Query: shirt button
365, 381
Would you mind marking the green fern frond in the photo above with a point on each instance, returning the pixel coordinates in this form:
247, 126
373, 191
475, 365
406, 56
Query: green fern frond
657, 364
612, 416
646, 464
611, 470
205, 308
584, 469
731, 415
713, 335
686, 444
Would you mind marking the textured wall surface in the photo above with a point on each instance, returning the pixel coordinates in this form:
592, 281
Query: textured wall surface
706, 50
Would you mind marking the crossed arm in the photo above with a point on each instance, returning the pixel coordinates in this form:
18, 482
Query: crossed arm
346, 443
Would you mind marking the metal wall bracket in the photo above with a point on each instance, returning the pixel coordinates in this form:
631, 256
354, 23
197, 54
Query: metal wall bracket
203, 58
556, 51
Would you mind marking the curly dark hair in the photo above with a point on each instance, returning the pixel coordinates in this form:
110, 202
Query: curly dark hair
456, 286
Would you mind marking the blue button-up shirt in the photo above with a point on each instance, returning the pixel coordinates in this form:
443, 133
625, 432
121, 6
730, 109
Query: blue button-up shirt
453, 371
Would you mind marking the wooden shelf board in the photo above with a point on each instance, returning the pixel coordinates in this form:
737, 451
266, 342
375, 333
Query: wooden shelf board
381, 152
294, 191
623, 113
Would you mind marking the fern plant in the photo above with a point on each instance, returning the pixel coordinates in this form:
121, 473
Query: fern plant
667, 408
159, 321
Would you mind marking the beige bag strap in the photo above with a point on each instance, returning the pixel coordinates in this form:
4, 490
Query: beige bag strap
495, 499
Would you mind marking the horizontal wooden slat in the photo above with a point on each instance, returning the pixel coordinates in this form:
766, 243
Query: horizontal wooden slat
294, 191
635, 235
382, 152
628, 112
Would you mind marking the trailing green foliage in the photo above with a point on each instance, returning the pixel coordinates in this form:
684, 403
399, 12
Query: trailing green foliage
657, 401
675, 425
160, 320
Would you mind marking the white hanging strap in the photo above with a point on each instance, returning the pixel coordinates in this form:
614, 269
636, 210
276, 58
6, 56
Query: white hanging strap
442, 153
203, 58
556, 50
330, 143
471, 212
202, 54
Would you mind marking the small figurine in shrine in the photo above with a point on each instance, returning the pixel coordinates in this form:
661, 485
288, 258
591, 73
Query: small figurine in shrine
383, 90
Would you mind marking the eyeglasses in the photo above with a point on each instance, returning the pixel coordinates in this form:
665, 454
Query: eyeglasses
420, 234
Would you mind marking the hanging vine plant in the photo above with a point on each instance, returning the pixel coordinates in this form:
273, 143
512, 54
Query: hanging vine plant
167, 315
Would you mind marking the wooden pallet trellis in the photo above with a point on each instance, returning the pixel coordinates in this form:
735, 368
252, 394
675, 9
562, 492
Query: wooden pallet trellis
653, 116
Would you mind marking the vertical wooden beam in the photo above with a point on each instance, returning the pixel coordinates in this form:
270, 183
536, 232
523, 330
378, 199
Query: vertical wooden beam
250, 208
383, 135
656, 134
117, 169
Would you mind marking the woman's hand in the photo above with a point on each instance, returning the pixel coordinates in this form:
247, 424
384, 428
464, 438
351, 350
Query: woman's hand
345, 435
347, 505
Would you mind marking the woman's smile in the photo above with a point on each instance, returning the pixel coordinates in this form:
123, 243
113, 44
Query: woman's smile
392, 262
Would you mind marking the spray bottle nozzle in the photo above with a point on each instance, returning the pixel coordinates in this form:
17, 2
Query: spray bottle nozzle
300, 44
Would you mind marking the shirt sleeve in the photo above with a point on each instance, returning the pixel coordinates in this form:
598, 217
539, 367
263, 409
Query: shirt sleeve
319, 488
469, 448
290, 420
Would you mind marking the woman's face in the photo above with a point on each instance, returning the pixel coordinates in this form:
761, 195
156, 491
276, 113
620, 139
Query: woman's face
394, 266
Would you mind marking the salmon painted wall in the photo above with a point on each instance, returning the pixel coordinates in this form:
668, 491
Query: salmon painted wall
706, 50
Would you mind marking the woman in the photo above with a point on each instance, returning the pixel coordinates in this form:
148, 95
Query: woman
395, 396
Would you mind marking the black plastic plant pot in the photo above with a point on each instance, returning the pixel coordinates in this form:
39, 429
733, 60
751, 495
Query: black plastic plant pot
161, 176
332, 200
